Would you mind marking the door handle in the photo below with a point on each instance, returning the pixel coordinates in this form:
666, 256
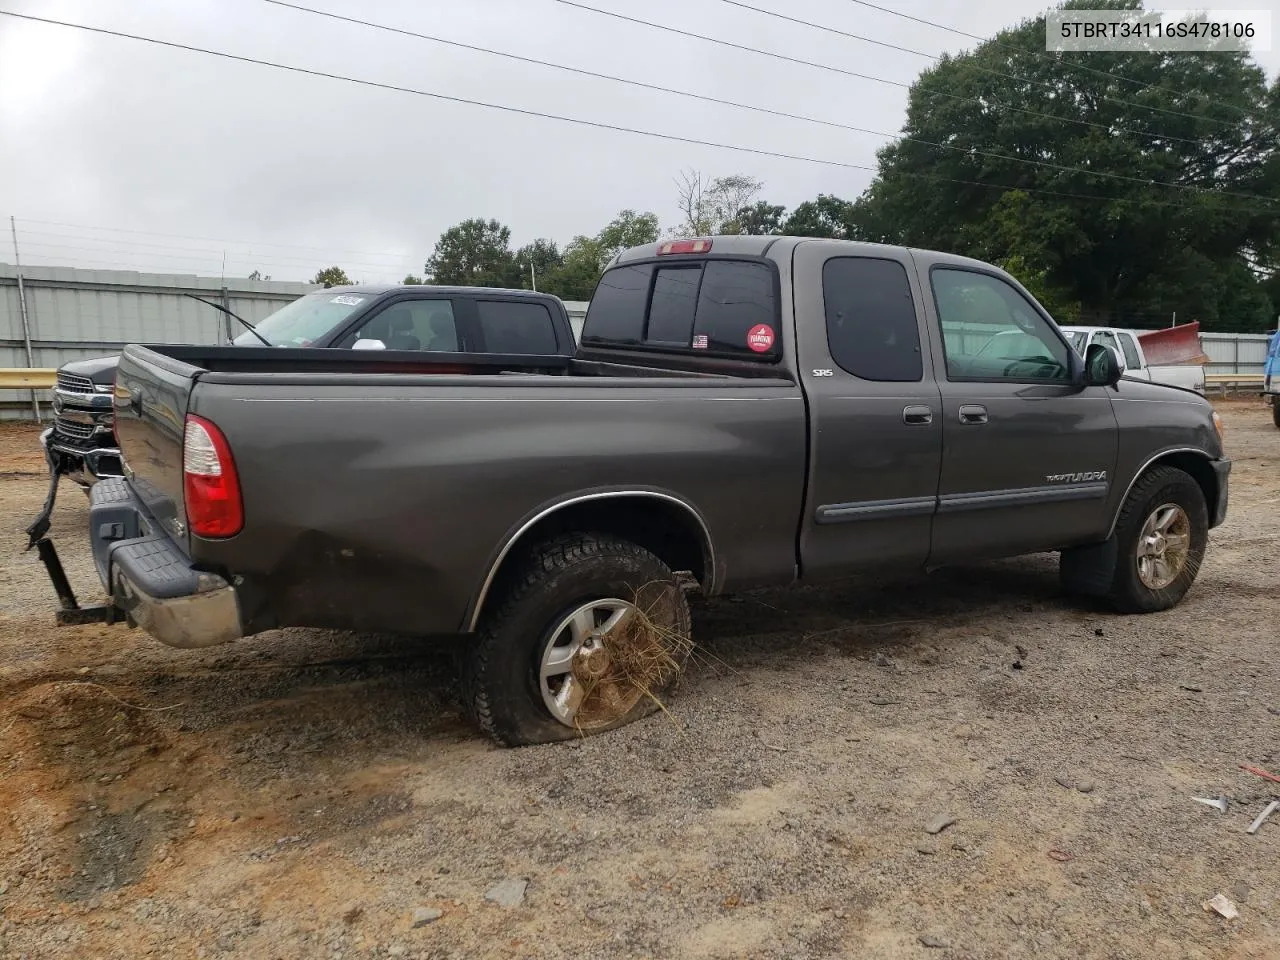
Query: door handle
917, 414
973, 413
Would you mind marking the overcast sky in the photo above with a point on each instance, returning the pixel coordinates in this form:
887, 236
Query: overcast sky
288, 173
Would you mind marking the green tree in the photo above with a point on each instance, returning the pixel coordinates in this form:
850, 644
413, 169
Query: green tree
760, 219
1122, 247
411, 281
628, 229
332, 277
828, 217
540, 259
474, 253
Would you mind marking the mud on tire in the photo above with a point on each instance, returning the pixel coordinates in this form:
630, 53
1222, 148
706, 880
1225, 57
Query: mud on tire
502, 666
1113, 570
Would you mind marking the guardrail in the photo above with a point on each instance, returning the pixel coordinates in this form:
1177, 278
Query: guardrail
27, 378
1224, 380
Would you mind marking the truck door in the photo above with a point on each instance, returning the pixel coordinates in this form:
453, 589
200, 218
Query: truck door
874, 410
1028, 457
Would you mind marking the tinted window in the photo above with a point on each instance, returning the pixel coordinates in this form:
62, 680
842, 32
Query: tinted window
510, 327
617, 310
1131, 358
675, 294
736, 309
413, 325
718, 306
871, 319
992, 332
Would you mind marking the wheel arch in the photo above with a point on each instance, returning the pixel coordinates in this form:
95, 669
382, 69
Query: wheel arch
1190, 460
665, 524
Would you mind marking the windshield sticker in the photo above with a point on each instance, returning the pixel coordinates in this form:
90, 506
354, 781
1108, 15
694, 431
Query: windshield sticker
349, 301
700, 342
760, 338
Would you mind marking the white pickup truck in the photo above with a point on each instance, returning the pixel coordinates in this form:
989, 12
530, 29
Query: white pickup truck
1128, 346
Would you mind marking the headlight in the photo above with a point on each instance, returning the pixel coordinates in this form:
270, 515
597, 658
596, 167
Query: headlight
1217, 425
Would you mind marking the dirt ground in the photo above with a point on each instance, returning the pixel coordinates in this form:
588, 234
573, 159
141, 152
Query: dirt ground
312, 794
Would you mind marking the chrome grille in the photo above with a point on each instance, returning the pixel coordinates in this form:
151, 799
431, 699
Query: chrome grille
70, 428
73, 384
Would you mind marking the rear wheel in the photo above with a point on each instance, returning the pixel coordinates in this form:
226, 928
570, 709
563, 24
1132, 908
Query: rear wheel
1275, 411
590, 633
1159, 543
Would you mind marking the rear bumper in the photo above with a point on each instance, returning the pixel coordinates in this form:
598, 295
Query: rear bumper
151, 580
1218, 510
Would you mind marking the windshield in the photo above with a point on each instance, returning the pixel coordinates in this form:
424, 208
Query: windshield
304, 321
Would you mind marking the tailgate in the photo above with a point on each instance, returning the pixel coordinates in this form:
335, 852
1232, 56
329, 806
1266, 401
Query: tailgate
151, 396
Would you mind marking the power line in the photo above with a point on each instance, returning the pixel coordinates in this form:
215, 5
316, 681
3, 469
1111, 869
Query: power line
1041, 53
176, 236
594, 124
267, 258
968, 151
938, 59
863, 76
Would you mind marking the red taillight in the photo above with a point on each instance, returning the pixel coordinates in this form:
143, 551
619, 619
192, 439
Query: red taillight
684, 246
209, 480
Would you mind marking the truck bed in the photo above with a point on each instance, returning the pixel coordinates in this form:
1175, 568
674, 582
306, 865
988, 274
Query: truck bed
376, 487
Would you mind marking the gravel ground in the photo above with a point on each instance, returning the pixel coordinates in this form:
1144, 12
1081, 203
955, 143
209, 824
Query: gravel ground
315, 794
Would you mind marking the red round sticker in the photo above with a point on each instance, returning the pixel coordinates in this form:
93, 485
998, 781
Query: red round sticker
760, 337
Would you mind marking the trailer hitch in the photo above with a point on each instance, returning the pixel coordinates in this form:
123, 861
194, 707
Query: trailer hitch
69, 609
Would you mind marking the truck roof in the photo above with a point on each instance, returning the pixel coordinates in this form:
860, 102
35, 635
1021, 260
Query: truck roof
758, 246
376, 289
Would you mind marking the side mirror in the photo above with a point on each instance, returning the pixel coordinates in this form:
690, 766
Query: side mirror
1101, 366
363, 344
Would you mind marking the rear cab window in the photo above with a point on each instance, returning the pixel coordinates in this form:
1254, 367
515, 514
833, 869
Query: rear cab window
706, 307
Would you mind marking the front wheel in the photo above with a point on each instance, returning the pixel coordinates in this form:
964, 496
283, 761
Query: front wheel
587, 637
1275, 412
1156, 551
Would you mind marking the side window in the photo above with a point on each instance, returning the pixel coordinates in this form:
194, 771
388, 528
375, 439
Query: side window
413, 325
991, 332
736, 310
510, 326
871, 319
616, 313
1131, 358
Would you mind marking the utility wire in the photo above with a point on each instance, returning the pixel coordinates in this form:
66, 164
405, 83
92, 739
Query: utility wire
863, 76
968, 151
1041, 53
594, 124
125, 245
937, 59
181, 236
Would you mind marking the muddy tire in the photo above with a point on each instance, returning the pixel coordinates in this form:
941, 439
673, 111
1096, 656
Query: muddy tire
1155, 553
1275, 412
586, 636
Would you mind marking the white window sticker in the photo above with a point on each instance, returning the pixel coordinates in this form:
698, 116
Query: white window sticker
349, 301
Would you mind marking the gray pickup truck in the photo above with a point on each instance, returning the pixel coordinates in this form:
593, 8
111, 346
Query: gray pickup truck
741, 412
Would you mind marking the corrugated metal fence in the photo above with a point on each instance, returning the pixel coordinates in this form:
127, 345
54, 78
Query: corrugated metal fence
74, 314
1235, 352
